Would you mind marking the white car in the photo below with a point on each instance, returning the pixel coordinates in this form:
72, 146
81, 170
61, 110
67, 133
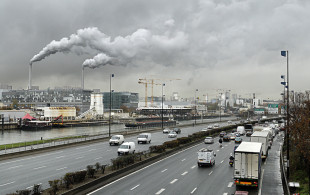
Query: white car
166, 130
116, 140
172, 134
126, 148
216, 126
209, 140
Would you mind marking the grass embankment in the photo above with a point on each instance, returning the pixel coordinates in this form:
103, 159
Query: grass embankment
31, 143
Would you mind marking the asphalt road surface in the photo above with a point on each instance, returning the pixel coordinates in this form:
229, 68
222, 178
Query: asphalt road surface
23, 172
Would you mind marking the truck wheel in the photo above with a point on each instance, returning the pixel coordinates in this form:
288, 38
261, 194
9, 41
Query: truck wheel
110, 144
149, 141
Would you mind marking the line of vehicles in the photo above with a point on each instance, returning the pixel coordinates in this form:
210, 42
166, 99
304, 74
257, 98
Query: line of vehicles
248, 156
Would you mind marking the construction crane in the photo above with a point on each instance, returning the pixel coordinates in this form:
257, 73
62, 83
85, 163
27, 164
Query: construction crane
146, 81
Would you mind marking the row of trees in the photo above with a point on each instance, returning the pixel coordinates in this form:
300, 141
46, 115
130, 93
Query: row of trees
300, 142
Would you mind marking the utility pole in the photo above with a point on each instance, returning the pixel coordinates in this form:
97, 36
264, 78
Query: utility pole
111, 75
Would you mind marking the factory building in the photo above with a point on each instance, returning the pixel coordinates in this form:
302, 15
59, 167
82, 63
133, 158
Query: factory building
118, 99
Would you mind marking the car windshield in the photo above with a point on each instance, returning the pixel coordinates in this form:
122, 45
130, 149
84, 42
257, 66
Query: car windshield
115, 137
124, 146
142, 136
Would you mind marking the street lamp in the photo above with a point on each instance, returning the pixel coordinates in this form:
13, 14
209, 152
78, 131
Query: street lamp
111, 75
285, 54
220, 106
195, 105
162, 105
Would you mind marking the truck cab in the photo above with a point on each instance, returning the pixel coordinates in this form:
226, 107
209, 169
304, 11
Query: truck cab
206, 157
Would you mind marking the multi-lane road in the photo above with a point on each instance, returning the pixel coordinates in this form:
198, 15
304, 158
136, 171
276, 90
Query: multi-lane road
177, 174
21, 173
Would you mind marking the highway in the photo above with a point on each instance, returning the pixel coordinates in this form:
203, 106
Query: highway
21, 173
179, 174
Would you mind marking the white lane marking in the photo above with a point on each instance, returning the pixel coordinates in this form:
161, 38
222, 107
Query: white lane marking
60, 156
193, 167
15, 167
222, 161
79, 157
135, 187
160, 191
261, 182
98, 158
225, 193
91, 150
30, 158
82, 147
184, 173
217, 150
192, 192
230, 184
226, 145
183, 160
164, 170
61, 168
210, 172
143, 169
173, 181
108, 150
39, 167
7, 183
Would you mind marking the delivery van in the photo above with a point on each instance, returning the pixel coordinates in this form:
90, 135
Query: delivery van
126, 148
144, 138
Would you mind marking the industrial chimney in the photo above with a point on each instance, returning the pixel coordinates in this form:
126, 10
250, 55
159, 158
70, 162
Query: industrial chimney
30, 70
82, 84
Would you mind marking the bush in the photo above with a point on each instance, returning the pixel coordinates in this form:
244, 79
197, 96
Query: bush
97, 165
68, 179
184, 140
54, 186
157, 149
171, 144
90, 171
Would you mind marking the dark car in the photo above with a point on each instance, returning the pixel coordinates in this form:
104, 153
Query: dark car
177, 130
222, 134
226, 138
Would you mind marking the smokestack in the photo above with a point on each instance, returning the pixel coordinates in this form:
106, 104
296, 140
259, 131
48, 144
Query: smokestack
82, 78
30, 70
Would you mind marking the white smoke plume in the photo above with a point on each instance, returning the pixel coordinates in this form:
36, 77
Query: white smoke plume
99, 60
141, 44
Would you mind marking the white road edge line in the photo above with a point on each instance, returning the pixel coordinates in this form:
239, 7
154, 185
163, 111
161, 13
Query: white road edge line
79, 157
183, 160
210, 172
193, 167
173, 181
184, 173
192, 192
7, 183
135, 187
15, 167
261, 182
160, 191
60, 156
222, 161
142, 169
225, 193
230, 184
164, 170
98, 158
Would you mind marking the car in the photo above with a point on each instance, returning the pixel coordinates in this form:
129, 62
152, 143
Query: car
232, 136
216, 126
172, 134
229, 122
237, 134
126, 148
144, 138
116, 140
238, 140
177, 130
166, 130
226, 138
206, 156
209, 140
222, 134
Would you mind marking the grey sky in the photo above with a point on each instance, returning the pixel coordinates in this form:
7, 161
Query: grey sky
208, 44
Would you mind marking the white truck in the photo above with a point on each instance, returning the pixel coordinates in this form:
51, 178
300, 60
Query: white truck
264, 138
206, 157
247, 166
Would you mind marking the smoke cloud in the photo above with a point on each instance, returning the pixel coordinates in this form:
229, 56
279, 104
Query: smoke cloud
141, 44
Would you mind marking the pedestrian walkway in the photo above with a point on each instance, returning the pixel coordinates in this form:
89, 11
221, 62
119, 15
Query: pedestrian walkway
272, 183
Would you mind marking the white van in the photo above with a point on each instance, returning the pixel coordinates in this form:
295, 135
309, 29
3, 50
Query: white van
144, 138
241, 130
126, 148
116, 140
206, 157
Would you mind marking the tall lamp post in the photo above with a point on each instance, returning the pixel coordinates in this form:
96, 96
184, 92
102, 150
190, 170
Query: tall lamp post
111, 75
285, 54
220, 106
195, 105
162, 105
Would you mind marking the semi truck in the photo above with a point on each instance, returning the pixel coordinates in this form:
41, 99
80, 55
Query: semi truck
264, 138
247, 166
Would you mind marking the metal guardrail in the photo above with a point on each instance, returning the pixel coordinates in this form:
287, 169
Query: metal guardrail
283, 174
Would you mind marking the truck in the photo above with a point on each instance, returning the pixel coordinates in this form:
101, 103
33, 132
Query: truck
247, 166
248, 129
264, 138
206, 157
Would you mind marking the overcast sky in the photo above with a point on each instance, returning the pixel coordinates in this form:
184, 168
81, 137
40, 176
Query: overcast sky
211, 45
